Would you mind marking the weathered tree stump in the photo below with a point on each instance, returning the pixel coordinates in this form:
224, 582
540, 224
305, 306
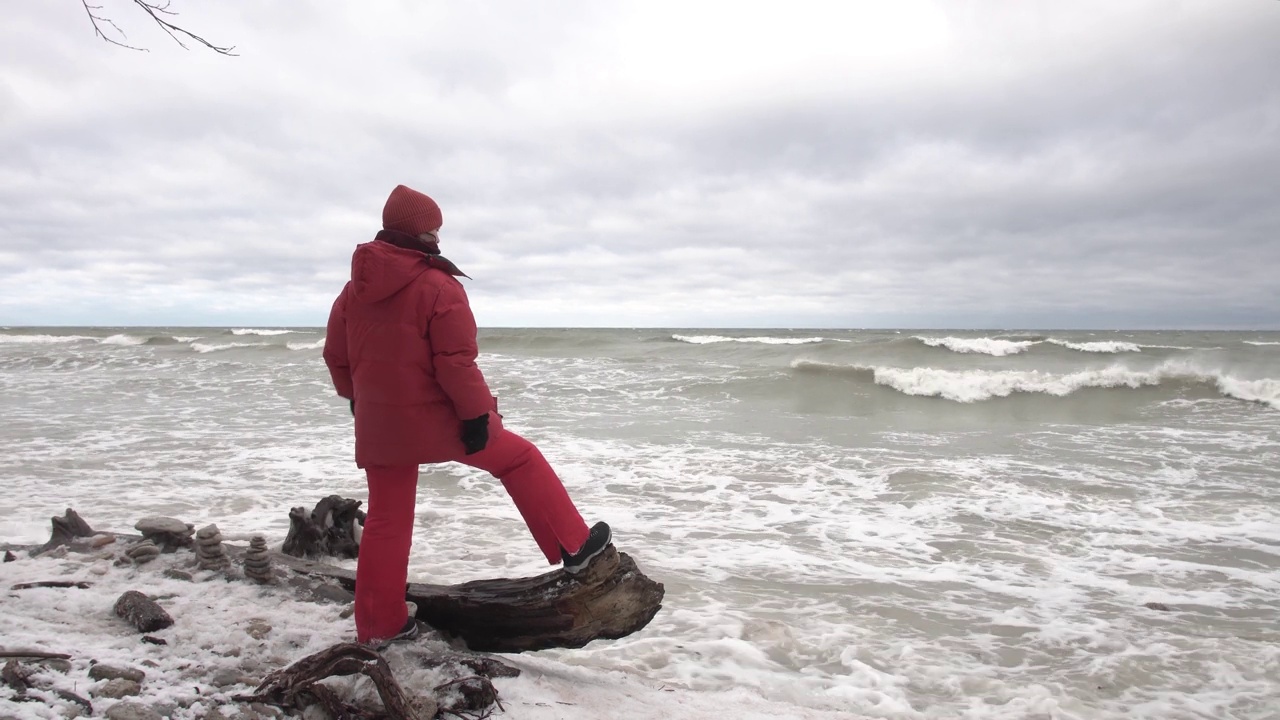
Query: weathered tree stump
142, 612
610, 599
65, 529
327, 530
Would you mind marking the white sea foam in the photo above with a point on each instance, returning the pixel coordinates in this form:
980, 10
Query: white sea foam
187, 338
709, 339
306, 345
259, 331
123, 340
1110, 346
984, 346
207, 347
1260, 342
42, 339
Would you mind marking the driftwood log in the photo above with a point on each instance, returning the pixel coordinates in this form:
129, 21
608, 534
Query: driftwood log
65, 529
329, 529
609, 600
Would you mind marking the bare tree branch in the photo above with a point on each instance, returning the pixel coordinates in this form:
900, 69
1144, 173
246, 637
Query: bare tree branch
155, 10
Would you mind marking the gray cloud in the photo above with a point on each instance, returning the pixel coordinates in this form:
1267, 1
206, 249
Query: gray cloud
1082, 166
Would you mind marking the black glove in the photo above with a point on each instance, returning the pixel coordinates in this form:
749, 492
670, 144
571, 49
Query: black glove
475, 434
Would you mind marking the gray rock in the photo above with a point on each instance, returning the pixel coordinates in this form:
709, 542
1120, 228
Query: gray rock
102, 671
142, 612
132, 711
258, 628
230, 676
118, 688
332, 593
158, 524
143, 552
57, 665
176, 574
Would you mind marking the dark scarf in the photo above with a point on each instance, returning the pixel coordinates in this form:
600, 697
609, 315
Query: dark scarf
429, 248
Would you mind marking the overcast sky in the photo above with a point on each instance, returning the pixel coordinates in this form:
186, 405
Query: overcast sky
694, 163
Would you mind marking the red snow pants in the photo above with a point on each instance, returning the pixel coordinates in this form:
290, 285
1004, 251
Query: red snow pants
383, 565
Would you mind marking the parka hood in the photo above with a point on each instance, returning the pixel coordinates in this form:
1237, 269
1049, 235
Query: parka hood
380, 270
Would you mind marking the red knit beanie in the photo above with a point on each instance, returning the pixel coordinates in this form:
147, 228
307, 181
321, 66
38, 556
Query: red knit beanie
411, 212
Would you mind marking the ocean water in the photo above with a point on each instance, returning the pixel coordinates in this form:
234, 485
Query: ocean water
913, 524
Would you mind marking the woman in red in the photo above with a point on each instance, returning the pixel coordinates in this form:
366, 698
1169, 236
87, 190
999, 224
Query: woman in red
401, 346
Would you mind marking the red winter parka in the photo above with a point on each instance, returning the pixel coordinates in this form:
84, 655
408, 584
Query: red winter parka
401, 342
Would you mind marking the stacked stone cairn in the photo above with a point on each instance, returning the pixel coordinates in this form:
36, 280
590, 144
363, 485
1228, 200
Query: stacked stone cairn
257, 562
209, 549
142, 552
167, 533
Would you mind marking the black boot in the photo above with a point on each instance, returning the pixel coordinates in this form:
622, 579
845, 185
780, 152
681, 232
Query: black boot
597, 541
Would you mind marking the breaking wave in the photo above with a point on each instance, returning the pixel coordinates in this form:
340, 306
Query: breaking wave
43, 339
305, 345
260, 331
1000, 347
969, 386
985, 346
709, 339
124, 340
207, 348
1260, 342
1110, 346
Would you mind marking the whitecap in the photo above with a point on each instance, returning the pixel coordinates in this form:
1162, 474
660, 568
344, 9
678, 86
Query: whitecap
123, 340
305, 346
1112, 346
709, 339
977, 385
985, 346
205, 347
1260, 342
42, 339
259, 331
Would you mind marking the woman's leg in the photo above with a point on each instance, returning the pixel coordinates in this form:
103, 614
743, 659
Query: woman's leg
536, 490
383, 566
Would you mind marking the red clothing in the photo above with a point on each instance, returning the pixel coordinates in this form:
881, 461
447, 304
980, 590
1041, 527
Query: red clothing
401, 341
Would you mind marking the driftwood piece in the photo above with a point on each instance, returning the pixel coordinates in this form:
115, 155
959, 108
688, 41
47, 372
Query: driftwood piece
610, 599
297, 686
142, 612
329, 529
65, 529
52, 584
34, 655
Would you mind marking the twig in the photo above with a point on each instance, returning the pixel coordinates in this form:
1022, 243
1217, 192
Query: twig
154, 10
